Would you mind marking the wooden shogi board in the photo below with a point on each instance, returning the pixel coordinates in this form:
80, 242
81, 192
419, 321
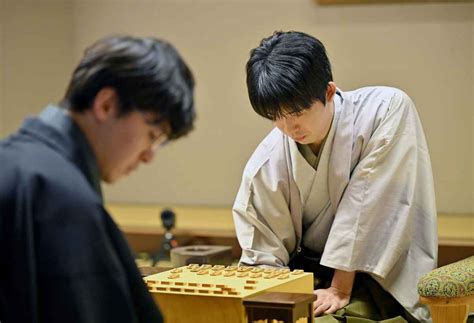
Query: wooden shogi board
206, 293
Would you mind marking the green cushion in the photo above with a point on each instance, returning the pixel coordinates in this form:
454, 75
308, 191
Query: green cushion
453, 280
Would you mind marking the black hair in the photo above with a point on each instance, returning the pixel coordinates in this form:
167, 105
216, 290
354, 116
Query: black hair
287, 73
148, 75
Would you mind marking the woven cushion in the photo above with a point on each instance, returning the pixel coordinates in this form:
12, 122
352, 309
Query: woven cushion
453, 280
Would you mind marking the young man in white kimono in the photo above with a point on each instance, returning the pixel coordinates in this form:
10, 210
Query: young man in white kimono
341, 187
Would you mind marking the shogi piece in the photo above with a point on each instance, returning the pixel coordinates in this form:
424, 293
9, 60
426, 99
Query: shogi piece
201, 254
282, 307
215, 293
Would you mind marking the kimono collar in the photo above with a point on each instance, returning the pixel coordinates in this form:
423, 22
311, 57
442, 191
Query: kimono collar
341, 154
303, 173
58, 130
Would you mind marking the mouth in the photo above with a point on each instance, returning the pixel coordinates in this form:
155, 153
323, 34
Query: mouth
130, 169
299, 138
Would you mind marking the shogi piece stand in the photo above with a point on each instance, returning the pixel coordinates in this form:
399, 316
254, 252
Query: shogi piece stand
286, 307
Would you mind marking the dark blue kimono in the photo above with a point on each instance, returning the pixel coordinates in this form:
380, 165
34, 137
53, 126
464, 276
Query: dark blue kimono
62, 257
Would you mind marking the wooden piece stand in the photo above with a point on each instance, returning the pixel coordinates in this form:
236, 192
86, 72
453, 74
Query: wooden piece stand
283, 307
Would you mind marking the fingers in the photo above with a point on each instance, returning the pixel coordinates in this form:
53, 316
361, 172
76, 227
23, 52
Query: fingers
327, 303
321, 307
331, 309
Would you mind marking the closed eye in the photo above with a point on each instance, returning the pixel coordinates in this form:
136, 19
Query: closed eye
153, 137
297, 113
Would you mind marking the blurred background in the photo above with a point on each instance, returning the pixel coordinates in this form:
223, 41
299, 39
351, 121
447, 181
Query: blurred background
424, 48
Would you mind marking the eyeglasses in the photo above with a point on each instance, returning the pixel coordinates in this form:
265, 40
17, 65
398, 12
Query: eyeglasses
156, 132
157, 140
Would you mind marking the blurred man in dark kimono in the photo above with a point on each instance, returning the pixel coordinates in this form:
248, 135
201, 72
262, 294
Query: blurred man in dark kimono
63, 259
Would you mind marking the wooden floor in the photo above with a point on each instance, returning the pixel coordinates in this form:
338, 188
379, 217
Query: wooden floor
199, 221
210, 225
194, 225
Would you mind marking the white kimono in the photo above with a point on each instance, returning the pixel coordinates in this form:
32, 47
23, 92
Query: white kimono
381, 215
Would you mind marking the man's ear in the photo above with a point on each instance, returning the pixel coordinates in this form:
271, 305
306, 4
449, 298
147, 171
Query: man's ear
331, 91
105, 104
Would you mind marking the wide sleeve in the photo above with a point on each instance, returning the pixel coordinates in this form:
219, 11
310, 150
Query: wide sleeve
18, 288
262, 218
64, 258
388, 208
86, 272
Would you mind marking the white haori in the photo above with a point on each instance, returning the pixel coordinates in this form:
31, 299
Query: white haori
381, 217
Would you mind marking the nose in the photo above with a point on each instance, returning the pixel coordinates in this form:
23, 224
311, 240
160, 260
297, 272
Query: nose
148, 155
287, 124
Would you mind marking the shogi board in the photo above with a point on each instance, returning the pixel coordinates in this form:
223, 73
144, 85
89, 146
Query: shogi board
206, 293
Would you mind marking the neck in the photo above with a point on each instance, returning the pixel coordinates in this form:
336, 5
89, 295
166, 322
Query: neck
317, 145
86, 123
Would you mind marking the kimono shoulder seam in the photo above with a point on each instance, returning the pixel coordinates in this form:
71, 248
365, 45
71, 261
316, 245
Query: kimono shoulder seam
262, 154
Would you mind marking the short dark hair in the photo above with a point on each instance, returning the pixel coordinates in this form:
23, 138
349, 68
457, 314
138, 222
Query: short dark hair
287, 72
148, 75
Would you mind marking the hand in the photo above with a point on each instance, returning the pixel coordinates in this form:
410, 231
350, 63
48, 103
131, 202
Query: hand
329, 300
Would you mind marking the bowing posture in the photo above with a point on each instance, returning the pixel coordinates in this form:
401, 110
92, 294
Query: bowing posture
342, 186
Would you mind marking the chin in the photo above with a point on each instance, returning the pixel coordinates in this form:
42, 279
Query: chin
110, 179
107, 181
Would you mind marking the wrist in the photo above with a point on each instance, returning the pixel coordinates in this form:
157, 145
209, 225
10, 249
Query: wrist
343, 281
338, 291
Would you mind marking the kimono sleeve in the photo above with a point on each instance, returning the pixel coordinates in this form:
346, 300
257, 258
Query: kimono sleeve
389, 198
262, 219
18, 288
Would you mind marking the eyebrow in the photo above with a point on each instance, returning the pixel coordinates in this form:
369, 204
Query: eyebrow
155, 121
